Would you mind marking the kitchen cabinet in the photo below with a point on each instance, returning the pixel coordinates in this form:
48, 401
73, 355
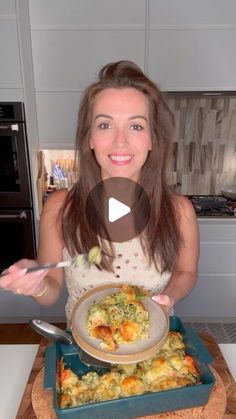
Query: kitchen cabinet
57, 124
11, 87
213, 298
69, 48
192, 59
190, 44
16, 308
20, 309
7, 7
56, 312
86, 13
182, 46
191, 13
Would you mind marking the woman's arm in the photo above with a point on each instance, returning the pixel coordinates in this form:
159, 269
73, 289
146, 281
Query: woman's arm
51, 247
43, 285
184, 276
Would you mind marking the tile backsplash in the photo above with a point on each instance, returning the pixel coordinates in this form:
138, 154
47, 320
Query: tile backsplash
204, 150
204, 153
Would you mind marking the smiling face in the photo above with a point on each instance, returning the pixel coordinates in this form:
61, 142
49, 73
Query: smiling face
120, 134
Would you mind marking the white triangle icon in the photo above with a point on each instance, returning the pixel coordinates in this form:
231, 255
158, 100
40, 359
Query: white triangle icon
116, 209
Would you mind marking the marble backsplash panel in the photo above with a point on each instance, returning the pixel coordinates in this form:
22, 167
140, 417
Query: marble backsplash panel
204, 149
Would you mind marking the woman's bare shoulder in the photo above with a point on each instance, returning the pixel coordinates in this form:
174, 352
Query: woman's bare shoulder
184, 206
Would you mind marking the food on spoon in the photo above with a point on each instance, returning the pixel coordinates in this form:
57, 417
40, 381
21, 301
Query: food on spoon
119, 318
94, 256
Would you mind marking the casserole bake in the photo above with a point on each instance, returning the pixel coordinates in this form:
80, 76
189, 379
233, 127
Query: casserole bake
170, 368
125, 353
119, 317
135, 405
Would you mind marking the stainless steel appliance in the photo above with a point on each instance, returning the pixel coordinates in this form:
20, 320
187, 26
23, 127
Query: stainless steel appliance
17, 229
213, 206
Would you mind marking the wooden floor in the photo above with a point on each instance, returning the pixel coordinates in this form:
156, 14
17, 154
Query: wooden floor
21, 333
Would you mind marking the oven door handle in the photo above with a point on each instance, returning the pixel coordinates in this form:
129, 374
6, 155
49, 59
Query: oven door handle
22, 215
12, 127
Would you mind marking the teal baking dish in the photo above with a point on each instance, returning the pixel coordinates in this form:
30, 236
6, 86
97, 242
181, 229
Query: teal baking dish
134, 406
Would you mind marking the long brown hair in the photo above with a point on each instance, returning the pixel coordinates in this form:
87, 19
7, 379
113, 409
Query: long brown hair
161, 242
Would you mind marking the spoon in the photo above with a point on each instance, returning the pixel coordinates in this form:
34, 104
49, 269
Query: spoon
82, 260
52, 332
45, 266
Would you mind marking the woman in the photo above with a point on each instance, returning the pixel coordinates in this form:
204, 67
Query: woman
124, 130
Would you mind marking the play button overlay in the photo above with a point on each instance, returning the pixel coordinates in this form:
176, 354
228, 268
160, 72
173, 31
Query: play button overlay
117, 209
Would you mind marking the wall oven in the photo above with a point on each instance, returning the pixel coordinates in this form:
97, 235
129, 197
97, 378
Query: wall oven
17, 228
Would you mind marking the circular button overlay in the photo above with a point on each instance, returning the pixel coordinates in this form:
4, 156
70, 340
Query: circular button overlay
117, 209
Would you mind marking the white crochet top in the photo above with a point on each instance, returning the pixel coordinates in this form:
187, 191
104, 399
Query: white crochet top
130, 266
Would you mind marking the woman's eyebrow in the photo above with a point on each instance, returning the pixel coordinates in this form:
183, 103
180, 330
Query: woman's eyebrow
138, 117
102, 115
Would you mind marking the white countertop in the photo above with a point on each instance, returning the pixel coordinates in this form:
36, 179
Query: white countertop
16, 362
229, 353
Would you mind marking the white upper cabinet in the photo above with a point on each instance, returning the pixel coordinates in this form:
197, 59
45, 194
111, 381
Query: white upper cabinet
191, 44
10, 69
183, 45
71, 41
191, 12
10, 74
87, 12
69, 60
63, 67
7, 7
193, 59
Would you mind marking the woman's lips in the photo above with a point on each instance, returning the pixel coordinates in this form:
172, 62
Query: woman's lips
121, 159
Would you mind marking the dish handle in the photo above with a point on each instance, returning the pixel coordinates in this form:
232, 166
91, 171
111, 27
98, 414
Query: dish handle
50, 367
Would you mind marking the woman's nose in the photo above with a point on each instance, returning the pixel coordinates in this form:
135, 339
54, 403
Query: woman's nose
120, 138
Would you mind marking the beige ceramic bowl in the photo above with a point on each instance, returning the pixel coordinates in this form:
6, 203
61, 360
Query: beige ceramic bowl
125, 353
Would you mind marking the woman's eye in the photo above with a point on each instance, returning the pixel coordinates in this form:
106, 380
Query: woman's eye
136, 127
104, 125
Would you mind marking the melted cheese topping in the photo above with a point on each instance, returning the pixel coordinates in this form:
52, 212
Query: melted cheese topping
169, 368
118, 318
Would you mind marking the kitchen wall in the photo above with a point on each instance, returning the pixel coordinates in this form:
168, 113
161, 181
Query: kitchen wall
204, 152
